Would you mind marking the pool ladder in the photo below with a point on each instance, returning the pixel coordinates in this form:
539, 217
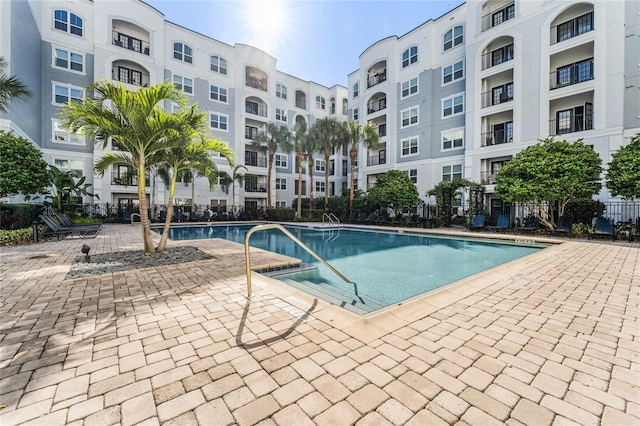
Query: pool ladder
295, 240
332, 219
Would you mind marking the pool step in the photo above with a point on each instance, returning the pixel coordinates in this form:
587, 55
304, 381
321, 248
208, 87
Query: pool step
340, 295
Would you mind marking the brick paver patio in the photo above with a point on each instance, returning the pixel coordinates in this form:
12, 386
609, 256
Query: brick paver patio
551, 339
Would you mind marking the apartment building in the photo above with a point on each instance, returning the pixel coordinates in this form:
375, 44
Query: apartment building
458, 96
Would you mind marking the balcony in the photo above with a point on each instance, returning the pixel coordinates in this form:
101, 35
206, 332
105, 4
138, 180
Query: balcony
251, 132
376, 160
500, 134
376, 106
497, 95
497, 17
252, 186
251, 158
572, 28
497, 56
131, 43
569, 122
127, 181
376, 78
129, 76
568, 75
382, 130
255, 108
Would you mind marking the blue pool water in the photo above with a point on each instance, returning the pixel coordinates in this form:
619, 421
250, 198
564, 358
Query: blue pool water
387, 267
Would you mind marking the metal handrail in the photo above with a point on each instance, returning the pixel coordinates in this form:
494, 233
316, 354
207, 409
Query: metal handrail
333, 216
295, 240
328, 217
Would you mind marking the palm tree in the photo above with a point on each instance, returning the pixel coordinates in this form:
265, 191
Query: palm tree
299, 146
268, 142
11, 88
357, 133
192, 156
329, 134
226, 180
132, 120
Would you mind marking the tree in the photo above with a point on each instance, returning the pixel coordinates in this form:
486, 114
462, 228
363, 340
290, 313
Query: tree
446, 191
11, 88
22, 168
66, 186
227, 180
623, 175
357, 133
329, 135
550, 172
191, 155
133, 121
299, 142
394, 189
268, 142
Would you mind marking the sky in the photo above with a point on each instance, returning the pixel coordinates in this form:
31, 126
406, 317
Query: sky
316, 40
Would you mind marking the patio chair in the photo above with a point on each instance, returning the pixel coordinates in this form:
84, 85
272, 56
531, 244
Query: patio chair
193, 217
206, 215
231, 215
504, 222
58, 230
564, 227
66, 221
373, 217
530, 224
162, 217
398, 220
414, 221
362, 217
478, 223
602, 227
342, 217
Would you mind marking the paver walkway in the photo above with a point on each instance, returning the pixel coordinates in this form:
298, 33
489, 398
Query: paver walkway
550, 340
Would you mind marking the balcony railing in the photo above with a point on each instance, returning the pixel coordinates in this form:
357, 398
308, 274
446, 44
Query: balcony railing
252, 132
376, 78
376, 105
254, 187
382, 130
499, 16
488, 178
497, 57
128, 181
497, 96
571, 74
250, 159
129, 76
376, 160
253, 108
301, 103
501, 133
571, 124
572, 28
130, 43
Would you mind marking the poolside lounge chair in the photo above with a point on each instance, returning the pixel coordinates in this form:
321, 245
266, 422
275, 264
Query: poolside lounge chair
58, 230
362, 217
342, 217
503, 223
65, 220
373, 217
206, 215
178, 216
530, 224
415, 221
231, 216
398, 220
384, 219
162, 217
603, 227
565, 225
193, 217
478, 222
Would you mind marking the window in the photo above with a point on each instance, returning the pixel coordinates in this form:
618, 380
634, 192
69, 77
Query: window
183, 83
320, 103
409, 56
68, 60
218, 65
62, 135
219, 121
281, 204
281, 160
63, 94
453, 139
453, 37
281, 183
319, 186
356, 90
355, 113
453, 72
67, 22
451, 172
453, 106
502, 93
182, 52
503, 14
320, 165
304, 187
64, 165
413, 175
345, 106
501, 55
281, 114
409, 146
410, 87
281, 91
218, 94
409, 117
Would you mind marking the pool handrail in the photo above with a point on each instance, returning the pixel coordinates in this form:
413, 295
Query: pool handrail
332, 219
295, 240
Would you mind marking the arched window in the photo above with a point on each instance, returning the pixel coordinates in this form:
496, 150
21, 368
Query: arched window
409, 56
183, 52
281, 91
453, 37
67, 22
219, 65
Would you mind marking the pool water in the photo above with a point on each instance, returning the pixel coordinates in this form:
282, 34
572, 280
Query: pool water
386, 267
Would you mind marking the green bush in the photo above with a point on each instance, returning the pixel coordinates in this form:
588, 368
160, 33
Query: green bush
18, 216
281, 215
18, 236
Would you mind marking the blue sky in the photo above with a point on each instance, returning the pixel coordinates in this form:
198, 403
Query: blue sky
314, 40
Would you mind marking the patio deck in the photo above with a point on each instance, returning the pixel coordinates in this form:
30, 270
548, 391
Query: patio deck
550, 339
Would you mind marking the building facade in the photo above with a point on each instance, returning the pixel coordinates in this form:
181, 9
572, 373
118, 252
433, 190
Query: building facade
457, 96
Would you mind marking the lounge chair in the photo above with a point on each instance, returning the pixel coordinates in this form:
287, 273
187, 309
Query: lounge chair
342, 217
603, 227
66, 221
530, 224
193, 217
373, 217
478, 222
415, 221
398, 220
231, 215
503, 224
384, 219
162, 217
58, 230
206, 215
564, 227
362, 217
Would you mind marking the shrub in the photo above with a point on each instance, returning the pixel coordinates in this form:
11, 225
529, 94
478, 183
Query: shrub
281, 215
18, 216
18, 236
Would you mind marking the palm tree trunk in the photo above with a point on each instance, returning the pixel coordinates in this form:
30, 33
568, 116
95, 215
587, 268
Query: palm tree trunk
167, 222
300, 159
352, 155
327, 154
269, 166
144, 218
310, 171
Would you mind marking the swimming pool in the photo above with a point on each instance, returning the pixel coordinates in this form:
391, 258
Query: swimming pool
387, 267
